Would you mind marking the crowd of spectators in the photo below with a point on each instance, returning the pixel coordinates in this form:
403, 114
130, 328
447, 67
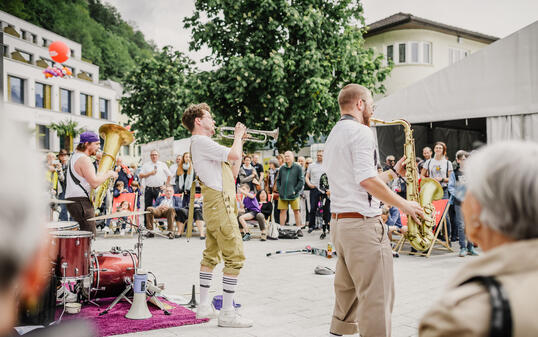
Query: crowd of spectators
265, 193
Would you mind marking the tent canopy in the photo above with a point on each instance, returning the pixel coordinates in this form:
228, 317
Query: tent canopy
499, 80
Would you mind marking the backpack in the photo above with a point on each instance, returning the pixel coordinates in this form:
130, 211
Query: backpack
287, 234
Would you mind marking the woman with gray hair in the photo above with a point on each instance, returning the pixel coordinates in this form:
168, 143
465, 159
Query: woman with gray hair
495, 294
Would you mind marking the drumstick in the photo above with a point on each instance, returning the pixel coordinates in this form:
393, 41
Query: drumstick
306, 250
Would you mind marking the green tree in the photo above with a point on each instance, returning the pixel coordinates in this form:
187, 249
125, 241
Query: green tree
281, 63
156, 94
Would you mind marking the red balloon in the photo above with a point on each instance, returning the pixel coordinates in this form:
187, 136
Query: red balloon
59, 51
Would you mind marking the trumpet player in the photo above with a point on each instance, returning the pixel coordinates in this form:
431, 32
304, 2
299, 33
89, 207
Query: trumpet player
217, 167
364, 282
81, 178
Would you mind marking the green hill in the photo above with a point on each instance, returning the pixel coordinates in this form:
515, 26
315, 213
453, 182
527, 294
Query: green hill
106, 39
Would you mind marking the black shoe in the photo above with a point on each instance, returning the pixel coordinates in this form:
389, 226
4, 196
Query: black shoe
150, 235
299, 233
322, 236
310, 230
177, 236
202, 237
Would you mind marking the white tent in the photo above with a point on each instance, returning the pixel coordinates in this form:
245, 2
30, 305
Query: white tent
499, 83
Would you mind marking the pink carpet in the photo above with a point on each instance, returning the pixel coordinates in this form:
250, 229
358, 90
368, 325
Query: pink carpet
115, 323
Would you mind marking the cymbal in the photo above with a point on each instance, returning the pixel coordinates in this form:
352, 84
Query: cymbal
117, 215
58, 201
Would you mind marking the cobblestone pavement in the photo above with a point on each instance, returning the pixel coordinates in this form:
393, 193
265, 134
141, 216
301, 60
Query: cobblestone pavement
282, 294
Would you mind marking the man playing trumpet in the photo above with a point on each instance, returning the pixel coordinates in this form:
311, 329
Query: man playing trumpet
217, 167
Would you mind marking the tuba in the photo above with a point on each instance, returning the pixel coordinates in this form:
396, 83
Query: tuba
115, 137
420, 235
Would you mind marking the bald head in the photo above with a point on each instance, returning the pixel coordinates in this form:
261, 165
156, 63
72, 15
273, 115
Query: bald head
350, 94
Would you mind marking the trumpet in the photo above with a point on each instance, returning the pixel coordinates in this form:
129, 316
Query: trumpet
273, 134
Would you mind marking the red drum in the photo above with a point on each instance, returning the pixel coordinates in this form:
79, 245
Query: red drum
110, 271
73, 257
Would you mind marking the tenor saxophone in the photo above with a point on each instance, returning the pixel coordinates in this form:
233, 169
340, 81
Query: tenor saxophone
420, 235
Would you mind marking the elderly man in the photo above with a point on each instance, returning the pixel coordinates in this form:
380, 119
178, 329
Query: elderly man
364, 282
312, 179
156, 175
495, 294
165, 206
290, 183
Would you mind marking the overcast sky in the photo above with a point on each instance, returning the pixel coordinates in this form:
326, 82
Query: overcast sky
161, 20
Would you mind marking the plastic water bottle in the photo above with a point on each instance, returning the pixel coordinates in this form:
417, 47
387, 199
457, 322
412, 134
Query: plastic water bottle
329, 250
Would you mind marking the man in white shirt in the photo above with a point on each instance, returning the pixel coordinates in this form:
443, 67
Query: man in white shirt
156, 176
364, 268
313, 174
217, 167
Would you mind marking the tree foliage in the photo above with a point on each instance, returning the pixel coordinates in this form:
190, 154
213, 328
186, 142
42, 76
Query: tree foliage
157, 92
106, 39
281, 63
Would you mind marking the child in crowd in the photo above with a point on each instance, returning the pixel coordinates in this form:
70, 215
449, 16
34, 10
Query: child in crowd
120, 224
266, 207
252, 211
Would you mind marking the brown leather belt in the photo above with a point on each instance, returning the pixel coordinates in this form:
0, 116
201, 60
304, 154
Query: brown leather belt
346, 215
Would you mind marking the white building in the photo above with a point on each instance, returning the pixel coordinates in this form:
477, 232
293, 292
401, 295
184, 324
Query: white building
35, 101
419, 47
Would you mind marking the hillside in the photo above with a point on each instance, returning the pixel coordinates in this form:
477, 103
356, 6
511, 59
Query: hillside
107, 40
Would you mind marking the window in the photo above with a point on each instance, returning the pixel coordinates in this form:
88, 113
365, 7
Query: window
34, 38
125, 150
50, 63
65, 100
43, 137
26, 56
414, 52
455, 55
72, 52
103, 108
45, 42
6, 50
24, 34
401, 52
85, 105
390, 53
426, 51
42, 95
16, 89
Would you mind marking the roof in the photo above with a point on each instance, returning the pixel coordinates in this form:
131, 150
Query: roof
500, 79
400, 21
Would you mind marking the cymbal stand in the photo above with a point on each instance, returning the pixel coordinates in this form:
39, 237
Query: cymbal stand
64, 267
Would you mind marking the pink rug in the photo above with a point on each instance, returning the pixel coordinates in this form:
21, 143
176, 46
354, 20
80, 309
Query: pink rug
115, 323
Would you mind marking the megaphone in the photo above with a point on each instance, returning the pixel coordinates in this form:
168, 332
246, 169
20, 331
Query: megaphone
139, 308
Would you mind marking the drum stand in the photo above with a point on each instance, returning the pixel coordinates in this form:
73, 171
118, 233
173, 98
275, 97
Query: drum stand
151, 289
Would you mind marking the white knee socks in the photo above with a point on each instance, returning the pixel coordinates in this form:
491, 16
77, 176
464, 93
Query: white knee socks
228, 291
205, 283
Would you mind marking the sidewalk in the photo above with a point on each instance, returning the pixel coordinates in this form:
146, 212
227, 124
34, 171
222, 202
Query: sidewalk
282, 294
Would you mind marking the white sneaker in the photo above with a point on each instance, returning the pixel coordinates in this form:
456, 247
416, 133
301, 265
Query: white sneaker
106, 229
205, 311
122, 232
230, 318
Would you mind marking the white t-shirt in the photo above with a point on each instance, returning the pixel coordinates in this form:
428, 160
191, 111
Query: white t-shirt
158, 179
438, 168
316, 171
207, 158
349, 157
173, 170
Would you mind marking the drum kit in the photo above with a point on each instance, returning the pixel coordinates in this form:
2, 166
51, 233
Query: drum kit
90, 275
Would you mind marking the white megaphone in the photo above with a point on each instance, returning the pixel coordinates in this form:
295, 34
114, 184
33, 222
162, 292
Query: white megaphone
139, 308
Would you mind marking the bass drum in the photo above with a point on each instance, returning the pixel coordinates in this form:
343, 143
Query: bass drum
111, 270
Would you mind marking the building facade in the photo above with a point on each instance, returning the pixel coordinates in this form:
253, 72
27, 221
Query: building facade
419, 47
35, 102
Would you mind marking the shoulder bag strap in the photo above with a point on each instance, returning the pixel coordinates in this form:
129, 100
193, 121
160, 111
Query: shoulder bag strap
501, 314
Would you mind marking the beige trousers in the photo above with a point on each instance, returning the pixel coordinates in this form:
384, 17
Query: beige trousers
364, 280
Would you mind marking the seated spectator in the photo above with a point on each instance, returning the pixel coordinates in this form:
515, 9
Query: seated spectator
494, 294
266, 207
252, 211
119, 188
183, 215
120, 224
165, 206
135, 187
391, 218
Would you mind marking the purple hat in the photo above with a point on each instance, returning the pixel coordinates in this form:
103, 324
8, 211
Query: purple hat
89, 137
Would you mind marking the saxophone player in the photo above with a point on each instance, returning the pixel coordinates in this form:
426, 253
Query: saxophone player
364, 269
81, 178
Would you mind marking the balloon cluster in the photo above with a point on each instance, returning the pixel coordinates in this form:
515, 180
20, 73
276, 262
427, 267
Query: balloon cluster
57, 72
